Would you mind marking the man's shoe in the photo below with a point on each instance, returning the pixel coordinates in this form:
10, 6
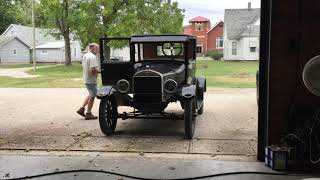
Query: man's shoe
81, 112
90, 116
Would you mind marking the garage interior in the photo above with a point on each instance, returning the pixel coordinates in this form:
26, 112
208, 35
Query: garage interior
289, 39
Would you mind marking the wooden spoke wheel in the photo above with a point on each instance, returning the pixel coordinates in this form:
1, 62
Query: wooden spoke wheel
189, 117
108, 114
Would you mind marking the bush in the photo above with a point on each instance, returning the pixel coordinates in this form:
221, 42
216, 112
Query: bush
214, 54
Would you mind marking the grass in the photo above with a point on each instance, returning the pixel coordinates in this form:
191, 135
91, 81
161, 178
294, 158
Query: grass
9, 66
59, 76
228, 74
218, 74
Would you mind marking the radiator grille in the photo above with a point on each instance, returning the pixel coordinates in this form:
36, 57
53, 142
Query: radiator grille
147, 89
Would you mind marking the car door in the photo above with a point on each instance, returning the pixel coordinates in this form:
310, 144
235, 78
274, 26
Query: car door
115, 60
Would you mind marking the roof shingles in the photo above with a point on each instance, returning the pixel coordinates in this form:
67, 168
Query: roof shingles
198, 19
43, 36
5, 39
236, 22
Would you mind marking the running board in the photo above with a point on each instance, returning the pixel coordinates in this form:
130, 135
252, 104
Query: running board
136, 115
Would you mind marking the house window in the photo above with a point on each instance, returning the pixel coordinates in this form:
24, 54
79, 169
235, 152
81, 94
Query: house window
75, 52
219, 42
199, 26
234, 48
253, 49
199, 48
14, 52
44, 51
12, 32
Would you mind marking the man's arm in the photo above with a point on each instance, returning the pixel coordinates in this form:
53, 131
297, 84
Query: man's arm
95, 70
94, 66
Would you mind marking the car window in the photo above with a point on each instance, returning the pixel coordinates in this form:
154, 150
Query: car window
115, 51
159, 51
120, 54
170, 49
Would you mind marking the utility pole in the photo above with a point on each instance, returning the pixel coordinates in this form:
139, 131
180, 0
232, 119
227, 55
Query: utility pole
33, 39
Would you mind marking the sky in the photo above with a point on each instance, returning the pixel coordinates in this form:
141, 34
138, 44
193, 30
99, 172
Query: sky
212, 9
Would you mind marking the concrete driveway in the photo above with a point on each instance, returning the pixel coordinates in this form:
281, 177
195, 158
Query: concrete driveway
45, 120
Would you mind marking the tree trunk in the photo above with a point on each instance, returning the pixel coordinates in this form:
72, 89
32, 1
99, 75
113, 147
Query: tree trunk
67, 51
66, 33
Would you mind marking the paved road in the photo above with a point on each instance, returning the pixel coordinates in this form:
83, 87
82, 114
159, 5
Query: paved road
45, 119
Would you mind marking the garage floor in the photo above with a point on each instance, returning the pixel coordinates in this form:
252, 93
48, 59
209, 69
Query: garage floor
45, 120
41, 133
148, 166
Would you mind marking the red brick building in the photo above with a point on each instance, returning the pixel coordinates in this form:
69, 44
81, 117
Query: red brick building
207, 37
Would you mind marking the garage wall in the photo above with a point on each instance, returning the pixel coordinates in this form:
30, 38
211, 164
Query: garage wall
50, 55
294, 40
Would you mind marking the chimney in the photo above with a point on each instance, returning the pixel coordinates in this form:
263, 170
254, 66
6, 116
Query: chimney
249, 5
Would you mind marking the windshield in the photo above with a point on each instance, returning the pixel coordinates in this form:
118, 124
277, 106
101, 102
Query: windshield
159, 51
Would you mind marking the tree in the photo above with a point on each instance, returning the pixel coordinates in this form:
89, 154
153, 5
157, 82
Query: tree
123, 18
92, 19
7, 16
19, 12
60, 14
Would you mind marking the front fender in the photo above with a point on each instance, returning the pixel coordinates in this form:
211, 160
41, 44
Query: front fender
105, 91
188, 91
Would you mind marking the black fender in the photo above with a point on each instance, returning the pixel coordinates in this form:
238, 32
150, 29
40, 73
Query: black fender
202, 83
201, 87
105, 91
188, 92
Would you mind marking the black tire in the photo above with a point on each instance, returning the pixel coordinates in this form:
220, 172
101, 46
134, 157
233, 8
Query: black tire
200, 111
108, 114
189, 117
182, 104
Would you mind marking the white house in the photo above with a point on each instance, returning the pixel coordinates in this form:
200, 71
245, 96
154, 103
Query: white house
48, 48
241, 34
13, 50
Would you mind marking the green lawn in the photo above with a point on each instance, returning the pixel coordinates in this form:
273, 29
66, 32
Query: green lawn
218, 74
60, 76
8, 66
228, 74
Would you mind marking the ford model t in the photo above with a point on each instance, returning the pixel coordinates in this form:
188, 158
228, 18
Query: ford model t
147, 73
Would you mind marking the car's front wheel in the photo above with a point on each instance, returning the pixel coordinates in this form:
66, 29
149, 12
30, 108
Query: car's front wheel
189, 117
108, 114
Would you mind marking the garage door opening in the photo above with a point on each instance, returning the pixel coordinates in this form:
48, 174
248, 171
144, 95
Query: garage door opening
226, 130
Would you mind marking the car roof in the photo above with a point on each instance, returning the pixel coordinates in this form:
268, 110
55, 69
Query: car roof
161, 38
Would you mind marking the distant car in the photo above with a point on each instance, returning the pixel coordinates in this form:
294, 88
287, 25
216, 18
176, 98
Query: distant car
161, 69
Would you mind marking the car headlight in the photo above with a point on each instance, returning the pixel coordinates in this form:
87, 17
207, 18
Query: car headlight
170, 86
123, 86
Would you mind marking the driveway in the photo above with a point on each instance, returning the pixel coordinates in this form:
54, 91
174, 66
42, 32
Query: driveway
45, 120
20, 72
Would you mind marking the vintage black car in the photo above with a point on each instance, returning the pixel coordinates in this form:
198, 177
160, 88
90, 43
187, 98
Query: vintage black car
156, 70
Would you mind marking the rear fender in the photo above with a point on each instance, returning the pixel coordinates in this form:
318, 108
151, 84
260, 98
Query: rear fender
201, 87
202, 83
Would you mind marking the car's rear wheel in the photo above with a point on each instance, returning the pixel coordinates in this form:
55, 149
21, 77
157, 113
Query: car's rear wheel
200, 111
108, 114
189, 117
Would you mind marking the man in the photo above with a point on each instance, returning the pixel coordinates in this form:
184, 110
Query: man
90, 72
